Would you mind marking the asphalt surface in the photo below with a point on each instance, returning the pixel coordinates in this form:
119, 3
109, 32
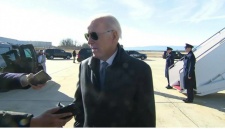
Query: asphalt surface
206, 111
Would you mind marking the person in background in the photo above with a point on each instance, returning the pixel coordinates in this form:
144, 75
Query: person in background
41, 61
164, 55
114, 89
74, 56
189, 73
169, 62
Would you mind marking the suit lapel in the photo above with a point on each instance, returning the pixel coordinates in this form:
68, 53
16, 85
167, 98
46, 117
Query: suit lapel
94, 69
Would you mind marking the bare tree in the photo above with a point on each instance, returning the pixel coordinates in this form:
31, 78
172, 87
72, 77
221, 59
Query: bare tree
67, 42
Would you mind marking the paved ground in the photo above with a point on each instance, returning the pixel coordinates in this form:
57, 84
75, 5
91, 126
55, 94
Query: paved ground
207, 111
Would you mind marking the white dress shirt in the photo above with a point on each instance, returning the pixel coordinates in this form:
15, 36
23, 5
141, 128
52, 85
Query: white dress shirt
110, 60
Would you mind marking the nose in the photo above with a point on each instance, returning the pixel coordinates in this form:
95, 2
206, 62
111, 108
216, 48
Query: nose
90, 41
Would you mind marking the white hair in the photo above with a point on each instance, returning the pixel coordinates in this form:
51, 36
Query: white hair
111, 22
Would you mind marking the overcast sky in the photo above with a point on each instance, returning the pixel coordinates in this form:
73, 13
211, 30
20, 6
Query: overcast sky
143, 22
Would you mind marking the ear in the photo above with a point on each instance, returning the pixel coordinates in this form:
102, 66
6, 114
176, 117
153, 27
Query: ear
115, 36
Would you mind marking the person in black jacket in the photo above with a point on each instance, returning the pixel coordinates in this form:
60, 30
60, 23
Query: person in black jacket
169, 62
189, 73
74, 56
114, 89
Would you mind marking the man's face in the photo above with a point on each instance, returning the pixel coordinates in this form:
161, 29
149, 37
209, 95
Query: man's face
168, 51
102, 47
187, 49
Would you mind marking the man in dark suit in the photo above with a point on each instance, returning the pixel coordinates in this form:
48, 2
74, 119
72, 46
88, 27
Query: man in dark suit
189, 73
169, 62
114, 89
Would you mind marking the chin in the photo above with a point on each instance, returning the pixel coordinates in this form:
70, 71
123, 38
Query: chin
96, 56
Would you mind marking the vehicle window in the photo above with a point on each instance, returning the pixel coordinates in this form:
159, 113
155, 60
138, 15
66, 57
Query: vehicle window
10, 55
27, 52
62, 51
7, 57
136, 52
89, 51
4, 49
2, 64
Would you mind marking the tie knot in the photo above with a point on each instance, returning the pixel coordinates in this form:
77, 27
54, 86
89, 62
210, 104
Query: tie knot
104, 64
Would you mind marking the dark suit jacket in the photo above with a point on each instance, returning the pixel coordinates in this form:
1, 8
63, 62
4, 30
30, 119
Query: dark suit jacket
10, 81
127, 100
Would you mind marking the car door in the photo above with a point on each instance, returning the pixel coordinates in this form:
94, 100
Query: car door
57, 53
63, 54
9, 62
28, 58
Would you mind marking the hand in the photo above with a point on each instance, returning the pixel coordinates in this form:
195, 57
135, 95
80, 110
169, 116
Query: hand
39, 86
48, 119
189, 77
29, 78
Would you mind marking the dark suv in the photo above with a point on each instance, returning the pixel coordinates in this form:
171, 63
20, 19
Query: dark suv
136, 54
18, 58
83, 54
176, 54
52, 53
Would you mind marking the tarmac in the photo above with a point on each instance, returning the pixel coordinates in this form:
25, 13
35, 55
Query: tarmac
171, 111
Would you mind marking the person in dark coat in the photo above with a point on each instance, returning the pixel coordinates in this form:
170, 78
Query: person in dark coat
189, 73
164, 55
114, 89
169, 62
74, 56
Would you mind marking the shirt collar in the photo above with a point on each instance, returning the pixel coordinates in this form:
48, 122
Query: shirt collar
110, 60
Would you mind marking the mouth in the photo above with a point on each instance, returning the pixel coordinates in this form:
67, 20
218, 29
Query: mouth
94, 49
